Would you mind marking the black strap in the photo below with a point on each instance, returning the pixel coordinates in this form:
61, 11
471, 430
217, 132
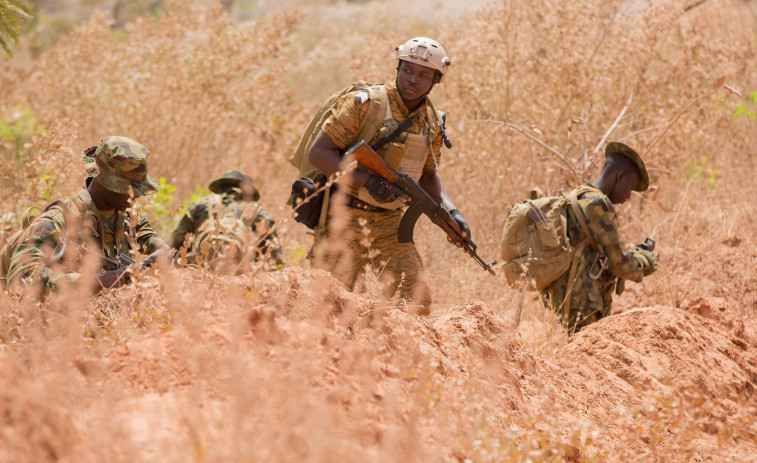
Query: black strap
395, 133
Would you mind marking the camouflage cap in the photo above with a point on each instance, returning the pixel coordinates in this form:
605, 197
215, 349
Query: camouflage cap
625, 150
233, 178
121, 165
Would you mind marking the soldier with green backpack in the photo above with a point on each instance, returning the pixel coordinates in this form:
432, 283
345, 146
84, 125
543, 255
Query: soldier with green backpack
228, 230
401, 124
568, 246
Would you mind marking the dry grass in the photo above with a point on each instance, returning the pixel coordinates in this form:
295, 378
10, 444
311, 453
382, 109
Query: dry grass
206, 93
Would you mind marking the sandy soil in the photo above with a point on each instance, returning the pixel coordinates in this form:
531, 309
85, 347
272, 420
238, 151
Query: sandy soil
292, 367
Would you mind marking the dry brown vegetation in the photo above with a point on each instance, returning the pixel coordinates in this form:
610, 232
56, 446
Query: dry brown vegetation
184, 365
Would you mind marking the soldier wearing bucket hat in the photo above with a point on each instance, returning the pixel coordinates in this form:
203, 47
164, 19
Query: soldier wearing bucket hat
604, 261
51, 248
228, 228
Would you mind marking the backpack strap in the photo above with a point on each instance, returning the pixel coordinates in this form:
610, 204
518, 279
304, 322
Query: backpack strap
433, 120
377, 108
572, 278
582, 219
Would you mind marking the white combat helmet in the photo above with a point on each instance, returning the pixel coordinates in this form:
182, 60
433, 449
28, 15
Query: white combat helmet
426, 52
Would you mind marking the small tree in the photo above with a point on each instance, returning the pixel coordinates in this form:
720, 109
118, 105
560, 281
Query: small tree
13, 15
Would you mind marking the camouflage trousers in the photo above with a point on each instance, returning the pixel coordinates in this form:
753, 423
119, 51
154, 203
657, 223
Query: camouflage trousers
356, 239
589, 300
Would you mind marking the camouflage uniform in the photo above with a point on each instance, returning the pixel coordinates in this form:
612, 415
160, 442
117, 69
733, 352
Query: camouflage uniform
262, 224
345, 252
590, 299
229, 194
121, 164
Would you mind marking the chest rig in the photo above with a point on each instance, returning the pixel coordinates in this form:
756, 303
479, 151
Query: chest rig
405, 155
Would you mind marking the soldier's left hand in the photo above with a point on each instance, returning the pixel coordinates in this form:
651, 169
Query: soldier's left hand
647, 260
162, 255
460, 226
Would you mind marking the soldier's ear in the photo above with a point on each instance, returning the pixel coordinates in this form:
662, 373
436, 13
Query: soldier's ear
619, 176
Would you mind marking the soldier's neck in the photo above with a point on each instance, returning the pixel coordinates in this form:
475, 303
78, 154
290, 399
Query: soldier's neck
604, 184
94, 193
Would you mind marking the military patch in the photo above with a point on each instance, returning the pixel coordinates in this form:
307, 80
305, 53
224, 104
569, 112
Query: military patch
362, 97
43, 229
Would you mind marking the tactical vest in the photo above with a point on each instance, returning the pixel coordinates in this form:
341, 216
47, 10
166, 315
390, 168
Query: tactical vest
406, 155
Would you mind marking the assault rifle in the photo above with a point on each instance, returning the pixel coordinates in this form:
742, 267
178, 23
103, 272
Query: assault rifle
647, 245
420, 203
123, 261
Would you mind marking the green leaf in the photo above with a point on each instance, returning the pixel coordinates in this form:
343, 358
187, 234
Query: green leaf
13, 15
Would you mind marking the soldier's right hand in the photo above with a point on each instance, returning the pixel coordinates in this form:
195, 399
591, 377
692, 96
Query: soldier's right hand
381, 190
112, 278
647, 261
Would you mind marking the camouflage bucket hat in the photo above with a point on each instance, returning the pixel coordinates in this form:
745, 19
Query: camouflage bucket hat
233, 178
121, 164
625, 150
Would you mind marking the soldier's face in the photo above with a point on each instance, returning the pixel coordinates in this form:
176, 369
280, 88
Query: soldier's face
414, 80
625, 182
113, 199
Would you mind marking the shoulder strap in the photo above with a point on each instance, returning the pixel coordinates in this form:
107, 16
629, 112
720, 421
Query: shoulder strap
581, 219
215, 206
395, 133
374, 118
91, 208
433, 120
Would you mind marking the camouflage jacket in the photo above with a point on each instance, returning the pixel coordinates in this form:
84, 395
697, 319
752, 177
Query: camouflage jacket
262, 224
74, 222
591, 299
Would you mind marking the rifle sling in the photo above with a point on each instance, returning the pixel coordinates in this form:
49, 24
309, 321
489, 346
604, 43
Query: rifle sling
395, 133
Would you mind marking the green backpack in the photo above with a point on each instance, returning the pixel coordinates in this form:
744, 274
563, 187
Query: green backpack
535, 245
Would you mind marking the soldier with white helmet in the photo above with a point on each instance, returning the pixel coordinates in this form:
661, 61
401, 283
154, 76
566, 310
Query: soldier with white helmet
399, 120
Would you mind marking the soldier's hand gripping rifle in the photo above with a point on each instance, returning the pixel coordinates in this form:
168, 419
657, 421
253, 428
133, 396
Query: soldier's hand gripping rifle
123, 261
420, 203
648, 245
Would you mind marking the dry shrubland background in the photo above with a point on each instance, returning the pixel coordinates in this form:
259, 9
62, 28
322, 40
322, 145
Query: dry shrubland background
533, 90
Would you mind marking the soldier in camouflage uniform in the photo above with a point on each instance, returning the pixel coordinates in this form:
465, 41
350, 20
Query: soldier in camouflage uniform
235, 198
589, 297
50, 250
373, 208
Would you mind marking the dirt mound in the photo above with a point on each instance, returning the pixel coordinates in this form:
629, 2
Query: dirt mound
292, 366
662, 381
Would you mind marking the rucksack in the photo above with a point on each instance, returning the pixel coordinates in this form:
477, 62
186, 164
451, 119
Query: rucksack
535, 246
372, 122
313, 204
28, 217
222, 238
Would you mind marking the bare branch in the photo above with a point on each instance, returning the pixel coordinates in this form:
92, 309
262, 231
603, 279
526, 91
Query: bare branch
614, 124
544, 145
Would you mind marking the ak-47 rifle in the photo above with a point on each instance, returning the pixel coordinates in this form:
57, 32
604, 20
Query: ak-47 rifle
420, 203
648, 245
123, 261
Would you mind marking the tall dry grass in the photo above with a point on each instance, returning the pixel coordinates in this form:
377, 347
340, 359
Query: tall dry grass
206, 93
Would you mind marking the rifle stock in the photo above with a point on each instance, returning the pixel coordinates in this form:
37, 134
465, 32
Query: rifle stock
420, 203
366, 157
